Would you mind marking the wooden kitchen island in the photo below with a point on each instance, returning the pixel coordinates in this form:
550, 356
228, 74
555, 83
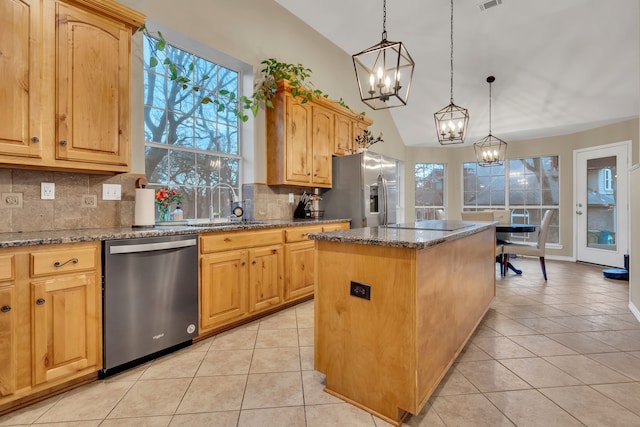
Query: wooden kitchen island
393, 309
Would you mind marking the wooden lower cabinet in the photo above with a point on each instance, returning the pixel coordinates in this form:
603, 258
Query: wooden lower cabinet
50, 319
265, 278
65, 327
300, 269
245, 274
236, 284
223, 290
8, 340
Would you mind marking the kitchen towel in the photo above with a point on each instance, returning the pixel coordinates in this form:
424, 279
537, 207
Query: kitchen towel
145, 212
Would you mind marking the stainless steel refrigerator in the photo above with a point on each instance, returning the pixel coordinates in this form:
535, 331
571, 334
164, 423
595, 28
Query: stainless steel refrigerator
365, 189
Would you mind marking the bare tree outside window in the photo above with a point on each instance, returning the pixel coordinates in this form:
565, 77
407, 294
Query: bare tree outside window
191, 145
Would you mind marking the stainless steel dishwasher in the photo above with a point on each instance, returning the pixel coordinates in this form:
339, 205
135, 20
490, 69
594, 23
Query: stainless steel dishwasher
150, 298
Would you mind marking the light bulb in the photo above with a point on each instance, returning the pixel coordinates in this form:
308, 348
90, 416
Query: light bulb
372, 80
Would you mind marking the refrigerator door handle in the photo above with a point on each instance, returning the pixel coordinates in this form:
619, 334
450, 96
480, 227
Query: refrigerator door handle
385, 196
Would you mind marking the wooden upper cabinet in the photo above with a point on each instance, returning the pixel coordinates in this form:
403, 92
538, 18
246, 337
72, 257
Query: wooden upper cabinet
298, 142
302, 137
322, 146
66, 83
344, 141
94, 83
20, 131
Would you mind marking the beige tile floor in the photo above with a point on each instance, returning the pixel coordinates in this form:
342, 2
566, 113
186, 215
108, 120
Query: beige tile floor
561, 353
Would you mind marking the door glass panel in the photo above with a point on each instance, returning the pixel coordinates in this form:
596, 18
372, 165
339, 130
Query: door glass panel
601, 203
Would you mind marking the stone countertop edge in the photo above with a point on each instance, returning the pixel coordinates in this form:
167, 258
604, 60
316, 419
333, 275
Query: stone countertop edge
399, 238
31, 238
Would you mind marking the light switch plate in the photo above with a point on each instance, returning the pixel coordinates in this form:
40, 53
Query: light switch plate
111, 191
47, 191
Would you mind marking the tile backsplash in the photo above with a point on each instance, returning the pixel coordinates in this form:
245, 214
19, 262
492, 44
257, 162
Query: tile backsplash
66, 211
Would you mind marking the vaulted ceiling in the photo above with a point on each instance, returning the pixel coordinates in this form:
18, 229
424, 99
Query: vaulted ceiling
561, 66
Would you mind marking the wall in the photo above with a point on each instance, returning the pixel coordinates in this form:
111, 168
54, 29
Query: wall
562, 145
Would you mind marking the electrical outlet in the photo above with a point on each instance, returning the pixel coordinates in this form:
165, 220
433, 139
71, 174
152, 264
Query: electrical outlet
11, 200
47, 191
89, 201
111, 191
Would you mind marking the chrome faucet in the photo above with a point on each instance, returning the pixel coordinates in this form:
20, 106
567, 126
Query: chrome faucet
234, 199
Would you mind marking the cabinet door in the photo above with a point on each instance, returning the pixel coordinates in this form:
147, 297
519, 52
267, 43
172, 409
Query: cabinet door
265, 277
299, 262
20, 131
93, 80
298, 142
322, 139
223, 283
344, 139
66, 326
8, 341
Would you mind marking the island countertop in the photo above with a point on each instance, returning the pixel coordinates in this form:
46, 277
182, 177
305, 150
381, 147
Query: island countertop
409, 236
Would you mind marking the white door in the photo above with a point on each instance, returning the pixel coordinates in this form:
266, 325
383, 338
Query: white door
601, 207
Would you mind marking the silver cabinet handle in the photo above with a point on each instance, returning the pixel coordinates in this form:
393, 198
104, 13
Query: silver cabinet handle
72, 260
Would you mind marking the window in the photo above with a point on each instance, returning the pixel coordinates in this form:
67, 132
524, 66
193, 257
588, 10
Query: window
189, 145
430, 189
527, 187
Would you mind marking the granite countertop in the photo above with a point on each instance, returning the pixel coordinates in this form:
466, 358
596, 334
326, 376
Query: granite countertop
93, 234
402, 235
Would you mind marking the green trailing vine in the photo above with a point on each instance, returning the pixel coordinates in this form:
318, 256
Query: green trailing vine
264, 89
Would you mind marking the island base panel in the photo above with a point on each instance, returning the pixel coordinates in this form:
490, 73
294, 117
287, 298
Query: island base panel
387, 354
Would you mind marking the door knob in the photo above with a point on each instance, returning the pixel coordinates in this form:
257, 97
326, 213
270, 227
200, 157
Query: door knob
579, 212
40, 301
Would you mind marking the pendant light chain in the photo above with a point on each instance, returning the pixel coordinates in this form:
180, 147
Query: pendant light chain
384, 20
451, 58
490, 83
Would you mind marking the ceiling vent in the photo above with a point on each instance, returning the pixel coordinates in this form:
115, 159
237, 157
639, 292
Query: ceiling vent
489, 4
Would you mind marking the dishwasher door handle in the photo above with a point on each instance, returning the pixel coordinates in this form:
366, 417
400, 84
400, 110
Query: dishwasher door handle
148, 247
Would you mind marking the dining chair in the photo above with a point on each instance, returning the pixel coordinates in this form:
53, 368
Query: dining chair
486, 216
440, 214
536, 249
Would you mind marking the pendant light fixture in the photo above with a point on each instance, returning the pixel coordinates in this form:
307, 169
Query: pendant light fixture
452, 120
490, 151
384, 71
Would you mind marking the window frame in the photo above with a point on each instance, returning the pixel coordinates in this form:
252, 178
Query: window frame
513, 208
245, 130
429, 211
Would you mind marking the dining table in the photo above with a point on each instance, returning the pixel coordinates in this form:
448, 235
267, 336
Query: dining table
513, 228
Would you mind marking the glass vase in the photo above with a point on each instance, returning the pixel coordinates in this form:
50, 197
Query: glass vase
163, 214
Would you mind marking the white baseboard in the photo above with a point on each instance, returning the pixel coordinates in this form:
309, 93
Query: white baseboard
634, 311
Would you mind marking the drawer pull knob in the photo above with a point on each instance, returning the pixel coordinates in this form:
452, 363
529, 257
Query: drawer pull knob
40, 301
63, 142
253, 262
5, 308
72, 260
35, 139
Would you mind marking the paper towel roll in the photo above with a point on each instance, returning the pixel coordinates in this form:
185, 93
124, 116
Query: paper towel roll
145, 212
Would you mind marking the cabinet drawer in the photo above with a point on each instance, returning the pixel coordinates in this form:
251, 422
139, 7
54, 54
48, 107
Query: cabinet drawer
336, 226
299, 234
6, 267
216, 242
62, 261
